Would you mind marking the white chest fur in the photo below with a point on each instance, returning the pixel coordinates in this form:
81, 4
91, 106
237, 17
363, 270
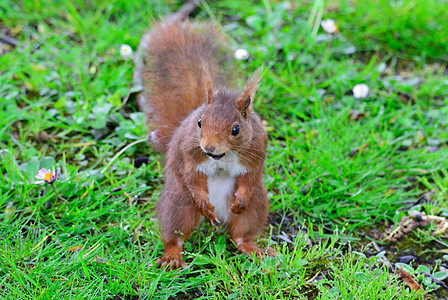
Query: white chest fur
221, 181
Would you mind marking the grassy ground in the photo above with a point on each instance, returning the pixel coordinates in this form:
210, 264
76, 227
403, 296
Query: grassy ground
65, 99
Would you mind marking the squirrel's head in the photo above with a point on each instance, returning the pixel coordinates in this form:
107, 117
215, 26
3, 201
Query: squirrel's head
225, 124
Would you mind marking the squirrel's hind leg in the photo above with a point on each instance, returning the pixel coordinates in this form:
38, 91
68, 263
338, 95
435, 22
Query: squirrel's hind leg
245, 227
178, 217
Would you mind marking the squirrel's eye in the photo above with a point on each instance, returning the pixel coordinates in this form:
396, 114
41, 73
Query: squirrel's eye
236, 130
199, 122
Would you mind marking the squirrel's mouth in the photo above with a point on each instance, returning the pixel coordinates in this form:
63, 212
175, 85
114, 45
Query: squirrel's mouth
215, 157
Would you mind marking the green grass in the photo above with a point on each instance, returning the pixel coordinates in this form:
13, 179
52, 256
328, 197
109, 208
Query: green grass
66, 99
408, 28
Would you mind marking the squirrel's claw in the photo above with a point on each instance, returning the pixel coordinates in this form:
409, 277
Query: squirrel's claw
207, 210
215, 220
170, 264
212, 217
237, 207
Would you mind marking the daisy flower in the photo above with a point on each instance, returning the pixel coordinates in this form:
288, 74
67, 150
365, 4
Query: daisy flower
125, 51
329, 26
360, 90
47, 176
241, 54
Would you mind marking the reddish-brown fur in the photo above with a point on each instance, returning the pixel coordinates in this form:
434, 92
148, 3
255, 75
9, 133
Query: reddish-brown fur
180, 58
185, 83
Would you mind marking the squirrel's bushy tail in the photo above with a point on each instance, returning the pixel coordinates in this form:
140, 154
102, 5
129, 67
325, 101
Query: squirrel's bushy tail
180, 59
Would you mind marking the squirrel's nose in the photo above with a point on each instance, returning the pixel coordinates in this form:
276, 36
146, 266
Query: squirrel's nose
210, 149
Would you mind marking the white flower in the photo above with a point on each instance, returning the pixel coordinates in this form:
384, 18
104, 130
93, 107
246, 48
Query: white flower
287, 5
329, 26
241, 54
360, 90
46, 176
126, 51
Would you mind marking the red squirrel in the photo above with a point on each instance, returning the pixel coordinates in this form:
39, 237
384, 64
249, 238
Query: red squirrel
214, 143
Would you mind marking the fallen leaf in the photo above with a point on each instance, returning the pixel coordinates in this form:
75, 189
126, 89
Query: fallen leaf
407, 278
358, 150
389, 192
74, 249
405, 97
355, 115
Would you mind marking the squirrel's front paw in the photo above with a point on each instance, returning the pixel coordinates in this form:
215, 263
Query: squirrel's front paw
238, 205
212, 217
208, 212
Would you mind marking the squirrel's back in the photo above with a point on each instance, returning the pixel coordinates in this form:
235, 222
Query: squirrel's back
180, 58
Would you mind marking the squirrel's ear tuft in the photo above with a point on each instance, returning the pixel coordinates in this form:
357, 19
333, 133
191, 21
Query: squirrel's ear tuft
207, 83
244, 102
209, 91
